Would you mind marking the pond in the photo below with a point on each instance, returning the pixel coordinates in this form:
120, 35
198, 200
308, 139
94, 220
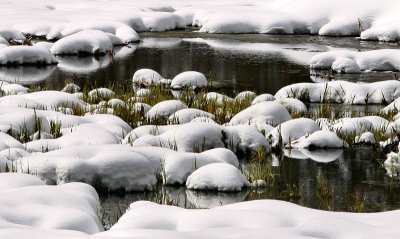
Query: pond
262, 63
353, 179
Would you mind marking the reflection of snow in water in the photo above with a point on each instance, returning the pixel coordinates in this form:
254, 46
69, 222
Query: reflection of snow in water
160, 42
319, 155
26, 74
89, 64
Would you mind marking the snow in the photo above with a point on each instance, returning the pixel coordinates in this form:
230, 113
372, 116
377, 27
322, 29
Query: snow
22, 55
43, 100
186, 115
245, 95
189, 79
146, 77
343, 92
284, 219
346, 61
292, 130
271, 113
85, 42
165, 108
320, 139
100, 93
26, 202
359, 125
293, 105
217, 176
366, 138
11, 34
262, 98
7, 142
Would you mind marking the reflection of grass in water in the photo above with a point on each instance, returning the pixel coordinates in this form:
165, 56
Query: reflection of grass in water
324, 193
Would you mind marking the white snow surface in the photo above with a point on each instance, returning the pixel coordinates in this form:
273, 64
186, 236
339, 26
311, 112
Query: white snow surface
186, 115
343, 92
85, 42
165, 108
217, 176
268, 112
23, 55
346, 61
27, 203
320, 139
146, 77
292, 130
189, 79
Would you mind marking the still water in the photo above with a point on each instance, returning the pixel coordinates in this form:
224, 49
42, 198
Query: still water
354, 177
260, 63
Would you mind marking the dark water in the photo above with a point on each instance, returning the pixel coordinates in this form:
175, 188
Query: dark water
353, 176
247, 62
244, 62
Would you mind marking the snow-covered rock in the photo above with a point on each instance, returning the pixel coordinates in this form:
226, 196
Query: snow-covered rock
189, 79
217, 176
186, 115
271, 113
165, 108
146, 77
262, 98
320, 139
292, 130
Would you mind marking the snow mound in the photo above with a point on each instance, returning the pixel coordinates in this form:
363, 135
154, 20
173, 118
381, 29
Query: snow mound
245, 95
43, 100
189, 79
271, 113
292, 130
293, 105
262, 98
11, 34
186, 115
146, 77
345, 61
100, 94
382, 92
85, 42
217, 176
165, 108
119, 29
26, 55
114, 167
218, 98
7, 142
26, 202
320, 139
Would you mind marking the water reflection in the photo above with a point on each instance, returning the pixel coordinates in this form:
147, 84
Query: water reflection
352, 174
26, 74
318, 155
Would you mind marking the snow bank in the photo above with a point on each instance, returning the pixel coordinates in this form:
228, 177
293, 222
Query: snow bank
217, 176
343, 92
26, 202
345, 61
284, 219
262, 98
189, 79
265, 112
26, 55
11, 34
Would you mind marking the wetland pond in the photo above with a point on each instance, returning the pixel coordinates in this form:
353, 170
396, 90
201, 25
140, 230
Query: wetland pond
354, 178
